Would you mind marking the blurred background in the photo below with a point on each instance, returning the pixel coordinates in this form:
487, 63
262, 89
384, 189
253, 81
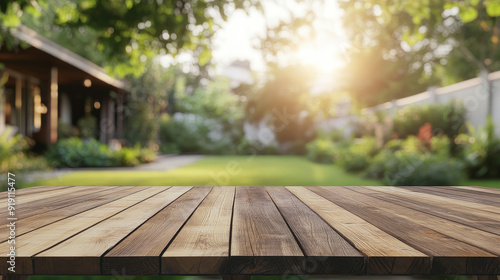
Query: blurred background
247, 92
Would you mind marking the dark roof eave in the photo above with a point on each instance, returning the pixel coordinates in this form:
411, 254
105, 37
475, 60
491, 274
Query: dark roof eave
43, 44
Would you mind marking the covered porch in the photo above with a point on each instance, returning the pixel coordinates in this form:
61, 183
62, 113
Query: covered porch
51, 92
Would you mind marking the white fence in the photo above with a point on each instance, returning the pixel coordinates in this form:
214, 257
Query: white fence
480, 96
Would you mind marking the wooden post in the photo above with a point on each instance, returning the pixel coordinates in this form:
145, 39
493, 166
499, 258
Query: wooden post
53, 106
18, 103
119, 115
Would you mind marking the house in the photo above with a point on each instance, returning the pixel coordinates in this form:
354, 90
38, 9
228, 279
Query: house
51, 90
239, 73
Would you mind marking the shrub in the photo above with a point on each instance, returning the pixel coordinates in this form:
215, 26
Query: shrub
142, 128
414, 169
353, 161
73, 152
480, 151
358, 155
196, 134
411, 163
14, 154
444, 119
87, 126
321, 150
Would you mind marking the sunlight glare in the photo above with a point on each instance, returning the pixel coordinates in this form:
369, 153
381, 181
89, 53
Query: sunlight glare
325, 57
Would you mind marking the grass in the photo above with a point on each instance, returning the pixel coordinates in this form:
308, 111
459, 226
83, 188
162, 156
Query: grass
224, 170
233, 171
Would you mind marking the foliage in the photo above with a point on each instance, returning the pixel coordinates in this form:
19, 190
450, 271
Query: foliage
325, 147
189, 133
66, 130
14, 154
75, 152
357, 156
480, 151
283, 99
128, 30
400, 48
142, 127
444, 119
412, 163
414, 169
321, 150
207, 121
87, 126
148, 98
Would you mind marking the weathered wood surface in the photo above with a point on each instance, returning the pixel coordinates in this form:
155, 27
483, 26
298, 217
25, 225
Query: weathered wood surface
242, 231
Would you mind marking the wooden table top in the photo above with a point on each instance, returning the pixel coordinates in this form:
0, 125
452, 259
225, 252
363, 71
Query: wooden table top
254, 230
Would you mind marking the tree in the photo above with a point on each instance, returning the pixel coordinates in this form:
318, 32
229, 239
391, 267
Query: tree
413, 44
284, 99
126, 30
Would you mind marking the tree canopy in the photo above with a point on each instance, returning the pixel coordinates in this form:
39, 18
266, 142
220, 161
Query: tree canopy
123, 30
401, 47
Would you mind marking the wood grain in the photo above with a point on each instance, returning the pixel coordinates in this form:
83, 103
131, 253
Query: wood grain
202, 246
32, 243
261, 242
386, 254
87, 247
450, 256
86, 202
48, 201
326, 251
481, 189
32, 190
457, 214
461, 194
139, 253
242, 231
446, 201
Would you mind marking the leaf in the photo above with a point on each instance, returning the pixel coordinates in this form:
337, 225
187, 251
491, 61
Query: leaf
493, 8
468, 14
10, 20
204, 57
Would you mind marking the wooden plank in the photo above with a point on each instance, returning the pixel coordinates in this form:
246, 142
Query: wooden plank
33, 190
50, 200
87, 202
386, 254
81, 253
458, 231
477, 220
439, 200
202, 245
456, 193
326, 251
139, 252
446, 201
471, 190
481, 189
261, 242
28, 199
449, 255
41, 239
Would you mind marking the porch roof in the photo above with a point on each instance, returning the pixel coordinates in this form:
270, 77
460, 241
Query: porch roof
44, 53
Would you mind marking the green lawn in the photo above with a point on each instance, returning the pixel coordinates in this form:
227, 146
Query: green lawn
224, 170
233, 171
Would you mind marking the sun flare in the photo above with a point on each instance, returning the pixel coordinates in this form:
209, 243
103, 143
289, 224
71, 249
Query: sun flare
325, 57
